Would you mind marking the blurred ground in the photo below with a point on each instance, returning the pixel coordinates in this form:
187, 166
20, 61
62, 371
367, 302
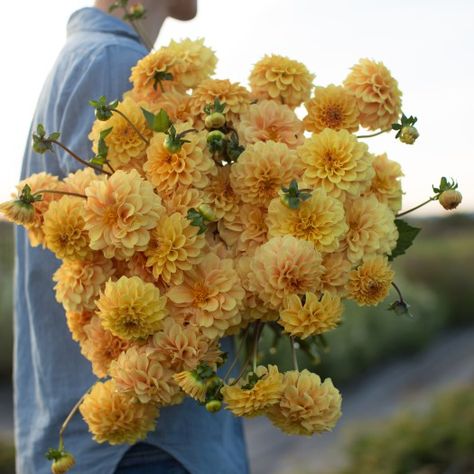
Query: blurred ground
409, 383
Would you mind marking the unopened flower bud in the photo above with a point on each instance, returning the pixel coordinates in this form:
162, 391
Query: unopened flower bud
172, 144
207, 212
450, 199
215, 136
409, 135
63, 464
215, 120
17, 211
213, 406
137, 9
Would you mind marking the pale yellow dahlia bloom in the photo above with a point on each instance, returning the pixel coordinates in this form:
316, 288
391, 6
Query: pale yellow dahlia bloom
195, 62
117, 417
371, 228
190, 166
331, 107
131, 309
176, 104
78, 181
136, 266
315, 316
78, 283
262, 169
120, 213
252, 399
183, 347
307, 404
18, 212
220, 195
64, 228
320, 220
283, 266
336, 273
37, 182
124, 143
280, 78
191, 384
369, 284
254, 228
138, 372
236, 99
76, 322
101, 347
175, 247
181, 199
269, 120
213, 289
377, 94
336, 161
386, 184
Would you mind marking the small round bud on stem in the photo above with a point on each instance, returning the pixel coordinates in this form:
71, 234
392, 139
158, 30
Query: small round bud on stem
450, 199
408, 135
214, 120
213, 406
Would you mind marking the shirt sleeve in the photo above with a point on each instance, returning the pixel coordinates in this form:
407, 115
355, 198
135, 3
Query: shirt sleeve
106, 73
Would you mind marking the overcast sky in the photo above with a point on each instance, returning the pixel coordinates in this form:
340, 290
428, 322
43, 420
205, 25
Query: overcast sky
428, 46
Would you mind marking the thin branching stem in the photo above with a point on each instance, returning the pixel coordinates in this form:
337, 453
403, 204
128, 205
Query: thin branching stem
140, 134
293, 353
374, 134
416, 207
54, 191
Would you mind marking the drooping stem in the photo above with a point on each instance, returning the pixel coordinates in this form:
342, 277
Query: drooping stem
54, 191
69, 418
416, 207
258, 332
293, 353
140, 134
78, 158
237, 353
374, 134
397, 289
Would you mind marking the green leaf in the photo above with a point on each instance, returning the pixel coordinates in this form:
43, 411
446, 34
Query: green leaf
54, 136
396, 126
406, 236
159, 122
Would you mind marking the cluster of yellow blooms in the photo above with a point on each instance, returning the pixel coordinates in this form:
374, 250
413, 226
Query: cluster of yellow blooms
236, 214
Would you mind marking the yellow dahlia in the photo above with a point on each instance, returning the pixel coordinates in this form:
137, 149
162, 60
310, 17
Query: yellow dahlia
175, 247
280, 78
377, 94
78, 283
213, 289
371, 228
262, 169
18, 212
78, 181
255, 393
191, 384
120, 213
195, 62
76, 322
283, 266
138, 372
370, 283
331, 107
38, 182
136, 266
336, 161
307, 404
269, 120
254, 228
320, 220
220, 195
64, 228
117, 417
131, 309
101, 347
176, 104
314, 316
181, 199
336, 273
181, 347
386, 185
232, 95
124, 143
190, 166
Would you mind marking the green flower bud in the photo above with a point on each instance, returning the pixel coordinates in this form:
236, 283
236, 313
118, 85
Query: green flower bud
215, 120
172, 144
213, 406
409, 135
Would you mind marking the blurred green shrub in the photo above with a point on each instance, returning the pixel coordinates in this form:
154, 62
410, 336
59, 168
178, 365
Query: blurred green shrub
6, 297
438, 441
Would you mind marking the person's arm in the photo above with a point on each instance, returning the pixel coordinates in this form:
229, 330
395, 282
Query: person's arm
105, 74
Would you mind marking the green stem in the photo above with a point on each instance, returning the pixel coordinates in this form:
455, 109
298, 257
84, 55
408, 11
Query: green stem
237, 354
252, 352
66, 193
416, 207
374, 134
397, 289
132, 125
78, 158
293, 353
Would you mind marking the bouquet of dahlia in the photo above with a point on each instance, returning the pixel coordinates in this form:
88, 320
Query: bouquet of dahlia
210, 210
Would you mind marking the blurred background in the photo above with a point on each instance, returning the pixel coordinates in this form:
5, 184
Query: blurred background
406, 382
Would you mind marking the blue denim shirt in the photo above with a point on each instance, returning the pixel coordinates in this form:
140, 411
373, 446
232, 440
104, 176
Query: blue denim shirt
50, 374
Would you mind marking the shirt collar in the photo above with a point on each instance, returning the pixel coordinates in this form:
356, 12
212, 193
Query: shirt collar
92, 19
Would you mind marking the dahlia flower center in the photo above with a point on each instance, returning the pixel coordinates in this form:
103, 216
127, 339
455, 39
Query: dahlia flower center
332, 116
200, 294
273, 133
110, 216
374, 287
